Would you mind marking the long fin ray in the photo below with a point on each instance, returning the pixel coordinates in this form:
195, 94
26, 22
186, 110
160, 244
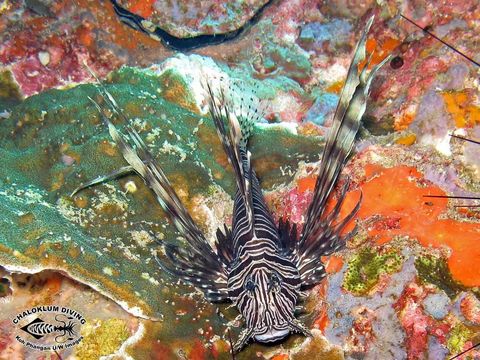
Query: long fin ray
322, 232
231, 140
199, 257
123, 171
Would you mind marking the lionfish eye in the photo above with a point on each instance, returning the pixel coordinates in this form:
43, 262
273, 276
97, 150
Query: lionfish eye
250, 285
274, 283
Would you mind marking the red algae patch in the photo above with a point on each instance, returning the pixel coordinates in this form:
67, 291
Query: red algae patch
144, 8
333, 263
470, 307
394, 205
281, 357
417, 325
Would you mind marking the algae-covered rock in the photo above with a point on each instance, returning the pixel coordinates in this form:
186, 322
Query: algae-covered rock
365, 269
434, 270
101, 337
459, 335
193, 18
8, 88
9, 92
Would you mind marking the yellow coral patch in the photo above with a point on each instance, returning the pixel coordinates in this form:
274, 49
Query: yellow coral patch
336, 87
107, 148
406, 140
26, 219
403, 121
4, 6
81, 202
101, 337
459, 106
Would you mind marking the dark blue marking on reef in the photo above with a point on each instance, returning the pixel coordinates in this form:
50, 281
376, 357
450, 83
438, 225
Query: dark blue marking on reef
183, 44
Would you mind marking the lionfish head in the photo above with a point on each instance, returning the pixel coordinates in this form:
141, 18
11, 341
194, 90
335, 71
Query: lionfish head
267, 300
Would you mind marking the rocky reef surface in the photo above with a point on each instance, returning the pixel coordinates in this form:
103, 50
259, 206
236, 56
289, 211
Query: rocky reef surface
406, 287
192, 18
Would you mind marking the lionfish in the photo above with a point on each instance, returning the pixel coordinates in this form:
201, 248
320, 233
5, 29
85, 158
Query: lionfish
262, 267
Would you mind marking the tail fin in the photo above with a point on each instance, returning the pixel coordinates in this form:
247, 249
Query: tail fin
234, 113
321, 234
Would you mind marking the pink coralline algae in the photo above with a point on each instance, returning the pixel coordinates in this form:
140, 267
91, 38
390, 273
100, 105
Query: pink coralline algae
49, 52
35, 77
294, 203
418, 326
361, 334
470, 307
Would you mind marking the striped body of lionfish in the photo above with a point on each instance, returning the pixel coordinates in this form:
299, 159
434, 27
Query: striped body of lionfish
261, 267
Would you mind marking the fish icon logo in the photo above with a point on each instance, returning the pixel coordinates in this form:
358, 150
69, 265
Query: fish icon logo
39, 328
48, 328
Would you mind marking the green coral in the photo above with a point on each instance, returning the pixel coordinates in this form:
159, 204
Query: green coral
365, 268
434, 270
145, 78
459, 335
10, 93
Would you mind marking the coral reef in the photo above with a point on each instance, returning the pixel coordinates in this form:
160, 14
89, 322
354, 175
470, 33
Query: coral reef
193, 18
405, 287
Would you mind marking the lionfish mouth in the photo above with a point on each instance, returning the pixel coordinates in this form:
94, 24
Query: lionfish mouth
272, 334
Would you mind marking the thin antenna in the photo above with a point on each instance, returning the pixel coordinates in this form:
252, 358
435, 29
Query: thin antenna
452, 197
442, 41
458, 197
463, 352
465, 139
